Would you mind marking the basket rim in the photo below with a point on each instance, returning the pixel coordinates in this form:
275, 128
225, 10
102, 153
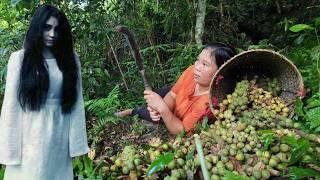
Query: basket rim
236, 57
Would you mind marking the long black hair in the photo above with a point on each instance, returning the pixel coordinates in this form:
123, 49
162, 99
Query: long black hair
222, 52
34, 77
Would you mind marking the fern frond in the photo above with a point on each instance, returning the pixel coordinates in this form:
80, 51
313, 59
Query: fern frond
104, 106
313, 117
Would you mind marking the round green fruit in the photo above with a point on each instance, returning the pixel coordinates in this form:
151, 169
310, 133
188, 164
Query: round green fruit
259, 153
265, 174
220, 164
284, 148
273, 162
221, 171
224, 159
172, 164
118, 162
174, 178
125, 170
281, 167
275, 149
266, 154
214, 159
180, 161
165, 147
249, 170
306, 158
214, 170
232, 152
208, 165
130, 166
256, 174
225, 152
137, 162
264, 160
240, 156
114, 168
214, 177
229, 166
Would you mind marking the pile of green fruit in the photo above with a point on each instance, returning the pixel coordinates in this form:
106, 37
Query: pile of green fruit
251, 137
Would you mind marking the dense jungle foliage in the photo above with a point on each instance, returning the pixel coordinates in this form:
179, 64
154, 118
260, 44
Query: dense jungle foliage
165, 31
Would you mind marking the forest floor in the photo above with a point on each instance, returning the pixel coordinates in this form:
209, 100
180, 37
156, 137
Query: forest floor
129, 131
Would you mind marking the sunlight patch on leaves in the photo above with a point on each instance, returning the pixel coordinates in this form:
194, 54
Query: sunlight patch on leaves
300, 27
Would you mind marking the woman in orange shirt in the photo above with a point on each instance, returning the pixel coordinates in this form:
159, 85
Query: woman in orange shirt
183, 105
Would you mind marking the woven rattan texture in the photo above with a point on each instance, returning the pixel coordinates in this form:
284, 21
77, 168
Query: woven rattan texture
262, 63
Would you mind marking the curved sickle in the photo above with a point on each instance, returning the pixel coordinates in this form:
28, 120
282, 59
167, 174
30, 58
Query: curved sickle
135, 50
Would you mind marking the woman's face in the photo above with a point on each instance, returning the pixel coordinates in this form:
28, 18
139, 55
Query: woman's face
50, 33
205, 67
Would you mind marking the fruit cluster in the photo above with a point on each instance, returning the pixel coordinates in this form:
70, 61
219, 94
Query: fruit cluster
245, 139
273, 86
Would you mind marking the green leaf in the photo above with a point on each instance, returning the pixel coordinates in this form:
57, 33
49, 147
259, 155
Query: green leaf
205, 123
313, 103
93, 174
291, 140
299, 107
267, 140
265, 131
181, 135
286, 24
1, 173
317, 129
299, 150
3, 24
315, 159
24, 3
159, 163
231, 176
104, 106
300, 27
77, 164
313, 117
299, 39
317, 22
89, 168
317, 95
190, 154
299, 173
3, 52
15, 2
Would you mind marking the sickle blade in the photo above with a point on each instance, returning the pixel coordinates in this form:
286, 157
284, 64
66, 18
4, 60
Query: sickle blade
135, 50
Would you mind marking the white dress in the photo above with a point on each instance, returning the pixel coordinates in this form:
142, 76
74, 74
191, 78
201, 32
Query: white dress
39, 145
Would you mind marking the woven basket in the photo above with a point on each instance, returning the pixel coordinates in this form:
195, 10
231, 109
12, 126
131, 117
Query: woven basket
261, 62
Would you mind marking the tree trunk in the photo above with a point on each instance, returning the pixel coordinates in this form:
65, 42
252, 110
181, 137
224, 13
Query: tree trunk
200, 17
221, 8
118, 64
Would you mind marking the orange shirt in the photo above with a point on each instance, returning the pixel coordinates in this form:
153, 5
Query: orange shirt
188, 108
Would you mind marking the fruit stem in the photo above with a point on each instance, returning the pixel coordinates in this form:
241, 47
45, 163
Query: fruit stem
204, 169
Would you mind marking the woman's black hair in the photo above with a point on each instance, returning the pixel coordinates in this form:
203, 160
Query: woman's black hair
34, 77
222, 52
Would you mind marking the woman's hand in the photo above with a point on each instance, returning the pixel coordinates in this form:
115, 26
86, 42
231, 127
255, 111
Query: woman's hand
155, 116
154, 101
